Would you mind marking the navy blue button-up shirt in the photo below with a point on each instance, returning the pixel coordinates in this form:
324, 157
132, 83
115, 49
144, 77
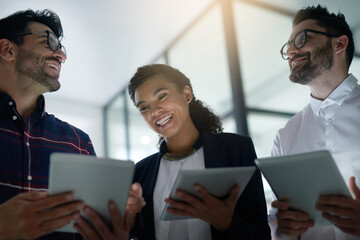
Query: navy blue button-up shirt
25, 147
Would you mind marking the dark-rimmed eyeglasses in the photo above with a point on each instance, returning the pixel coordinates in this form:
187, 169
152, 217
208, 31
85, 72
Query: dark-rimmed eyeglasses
52, 40
300, 41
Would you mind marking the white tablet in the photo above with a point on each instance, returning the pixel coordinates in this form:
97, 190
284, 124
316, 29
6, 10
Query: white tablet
93, 180
302, 178
217, 181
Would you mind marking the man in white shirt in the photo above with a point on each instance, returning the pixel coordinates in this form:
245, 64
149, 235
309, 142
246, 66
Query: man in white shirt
319, 53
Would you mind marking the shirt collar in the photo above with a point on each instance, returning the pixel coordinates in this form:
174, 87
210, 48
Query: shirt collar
336, 97
41, 105
5, 99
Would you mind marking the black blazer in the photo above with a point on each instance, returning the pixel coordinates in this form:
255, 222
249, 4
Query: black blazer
221, 150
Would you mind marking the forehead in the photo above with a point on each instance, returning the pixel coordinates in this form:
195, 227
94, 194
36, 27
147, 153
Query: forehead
307, 24
151, 85
37, 27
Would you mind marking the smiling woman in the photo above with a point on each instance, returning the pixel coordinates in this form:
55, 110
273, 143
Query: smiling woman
164, 80
166, 111
191, 138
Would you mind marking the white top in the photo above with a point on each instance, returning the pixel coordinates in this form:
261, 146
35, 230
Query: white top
189, 229
332, 124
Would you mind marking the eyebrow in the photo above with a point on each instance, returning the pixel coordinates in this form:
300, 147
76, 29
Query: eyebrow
154, 94
43, 35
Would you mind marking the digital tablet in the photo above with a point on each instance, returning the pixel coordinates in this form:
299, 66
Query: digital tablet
217, 181
301, 178
93, 180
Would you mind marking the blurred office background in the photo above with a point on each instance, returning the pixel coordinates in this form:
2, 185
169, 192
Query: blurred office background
228, 48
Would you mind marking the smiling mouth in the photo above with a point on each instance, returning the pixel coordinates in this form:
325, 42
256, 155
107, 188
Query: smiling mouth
54, 66
164, 120
297, 61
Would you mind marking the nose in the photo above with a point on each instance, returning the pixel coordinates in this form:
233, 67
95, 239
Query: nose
292, 50
155, 110
59, 54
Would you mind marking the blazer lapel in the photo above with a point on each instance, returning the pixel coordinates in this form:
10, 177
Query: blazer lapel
213, 151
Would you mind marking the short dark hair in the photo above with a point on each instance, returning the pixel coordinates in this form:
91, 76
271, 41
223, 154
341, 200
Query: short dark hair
333, 23
202, 116
17, 23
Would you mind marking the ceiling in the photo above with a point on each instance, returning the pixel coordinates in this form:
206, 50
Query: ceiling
107, 40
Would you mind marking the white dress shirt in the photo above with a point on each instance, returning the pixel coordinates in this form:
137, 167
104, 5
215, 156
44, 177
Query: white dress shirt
332, 124
189, 229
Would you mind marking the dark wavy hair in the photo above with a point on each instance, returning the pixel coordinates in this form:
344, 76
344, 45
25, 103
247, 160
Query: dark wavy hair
333, 23
202, 116
17, 23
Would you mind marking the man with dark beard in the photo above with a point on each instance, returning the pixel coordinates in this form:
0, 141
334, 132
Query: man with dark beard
31, 56
319, 53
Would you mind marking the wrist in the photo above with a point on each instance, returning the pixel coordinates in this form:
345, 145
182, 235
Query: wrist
223, 226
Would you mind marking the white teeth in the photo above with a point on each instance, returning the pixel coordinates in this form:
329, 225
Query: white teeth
164, 120
53, 66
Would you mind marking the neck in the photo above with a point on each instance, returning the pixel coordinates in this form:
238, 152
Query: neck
184, 142
326, 83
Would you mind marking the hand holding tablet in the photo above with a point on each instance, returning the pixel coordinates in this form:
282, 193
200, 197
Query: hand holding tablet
301, 179
95, 181
217, 181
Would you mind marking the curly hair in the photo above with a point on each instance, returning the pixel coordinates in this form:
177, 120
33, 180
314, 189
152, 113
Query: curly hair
17, 23
202, 116
333, 23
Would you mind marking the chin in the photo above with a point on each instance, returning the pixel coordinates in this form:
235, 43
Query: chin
300, 78
53, 87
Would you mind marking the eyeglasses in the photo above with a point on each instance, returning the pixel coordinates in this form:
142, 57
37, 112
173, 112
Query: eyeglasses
300, 41
52, 40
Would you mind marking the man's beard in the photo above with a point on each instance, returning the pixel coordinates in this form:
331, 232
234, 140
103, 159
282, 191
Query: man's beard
323, 60
30, 66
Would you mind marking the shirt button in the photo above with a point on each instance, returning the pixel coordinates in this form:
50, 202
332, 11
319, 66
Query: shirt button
14, 118
11, 103
29, 178
330, 121
28, 144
